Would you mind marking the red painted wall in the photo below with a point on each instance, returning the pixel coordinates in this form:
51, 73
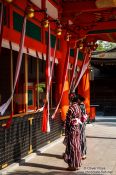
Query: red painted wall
14, 36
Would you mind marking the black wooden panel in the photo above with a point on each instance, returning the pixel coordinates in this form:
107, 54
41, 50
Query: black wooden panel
15, 141
40, 139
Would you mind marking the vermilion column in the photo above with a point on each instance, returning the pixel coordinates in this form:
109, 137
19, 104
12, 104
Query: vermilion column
65, 101
84, 90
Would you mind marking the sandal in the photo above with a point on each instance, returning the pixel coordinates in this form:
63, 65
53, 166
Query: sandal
83, 157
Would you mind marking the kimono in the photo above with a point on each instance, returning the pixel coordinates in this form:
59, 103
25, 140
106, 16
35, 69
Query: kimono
72, 154
82, 130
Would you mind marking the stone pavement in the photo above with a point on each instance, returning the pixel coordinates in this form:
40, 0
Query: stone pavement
101, 154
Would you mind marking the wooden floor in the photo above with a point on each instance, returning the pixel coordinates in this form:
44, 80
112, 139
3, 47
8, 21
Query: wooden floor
101, 154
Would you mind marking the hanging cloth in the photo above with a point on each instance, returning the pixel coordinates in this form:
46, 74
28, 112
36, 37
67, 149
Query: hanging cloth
51, 75
18, 66
83, 69
78, 74
64, 79
45, 121
74, 68
53, 63
9, 121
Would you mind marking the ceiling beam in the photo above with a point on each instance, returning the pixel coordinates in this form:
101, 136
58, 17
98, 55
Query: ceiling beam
76, 7
107, 27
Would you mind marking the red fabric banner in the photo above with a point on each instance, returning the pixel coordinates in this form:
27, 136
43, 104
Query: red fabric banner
18, 66
45, 121
49, 74
74, 68
82, 70
8, 124
64, 78
45, 118
52, 67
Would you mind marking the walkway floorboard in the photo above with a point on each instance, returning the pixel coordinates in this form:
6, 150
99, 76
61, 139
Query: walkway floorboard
101, 155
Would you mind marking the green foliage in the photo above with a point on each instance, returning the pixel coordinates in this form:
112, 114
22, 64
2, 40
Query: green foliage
41, 87
104, 45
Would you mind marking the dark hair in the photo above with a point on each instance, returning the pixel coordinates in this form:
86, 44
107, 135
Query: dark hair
81, 98
73, 97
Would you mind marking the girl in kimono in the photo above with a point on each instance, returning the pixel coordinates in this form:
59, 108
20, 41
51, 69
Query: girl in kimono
72, 154
83, 126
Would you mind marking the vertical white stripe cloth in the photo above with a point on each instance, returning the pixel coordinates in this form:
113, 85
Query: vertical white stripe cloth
83, 69
51, 75
74, 68
48, 78
52, 67
45, 121
65, 75
18, 66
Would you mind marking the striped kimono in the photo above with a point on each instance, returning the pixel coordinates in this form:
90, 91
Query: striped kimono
82, 129
72, 154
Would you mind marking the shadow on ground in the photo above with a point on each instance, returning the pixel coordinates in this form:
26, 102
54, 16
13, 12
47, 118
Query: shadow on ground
50, 155
99, 137
53, 170
48, 167
50, 173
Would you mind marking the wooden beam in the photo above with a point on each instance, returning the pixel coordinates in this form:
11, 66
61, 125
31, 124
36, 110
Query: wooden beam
105, 3
111, 37
76, 7
103, 27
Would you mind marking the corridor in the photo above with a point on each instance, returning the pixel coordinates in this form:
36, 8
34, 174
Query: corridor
101, 154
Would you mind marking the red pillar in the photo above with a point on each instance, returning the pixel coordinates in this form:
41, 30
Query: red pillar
84, 90
65, 101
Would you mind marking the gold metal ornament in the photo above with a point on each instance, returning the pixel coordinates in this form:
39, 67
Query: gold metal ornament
9, 1
30, 12
59, 31
81, 46
68, 37
45, 23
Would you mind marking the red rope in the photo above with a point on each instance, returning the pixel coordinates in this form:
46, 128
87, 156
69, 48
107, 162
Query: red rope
8, 124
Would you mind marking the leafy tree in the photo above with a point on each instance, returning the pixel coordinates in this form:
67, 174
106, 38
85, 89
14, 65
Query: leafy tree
104, 45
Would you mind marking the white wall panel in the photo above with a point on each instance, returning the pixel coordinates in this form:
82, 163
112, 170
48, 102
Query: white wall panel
5, 44
51, 10
37, 3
